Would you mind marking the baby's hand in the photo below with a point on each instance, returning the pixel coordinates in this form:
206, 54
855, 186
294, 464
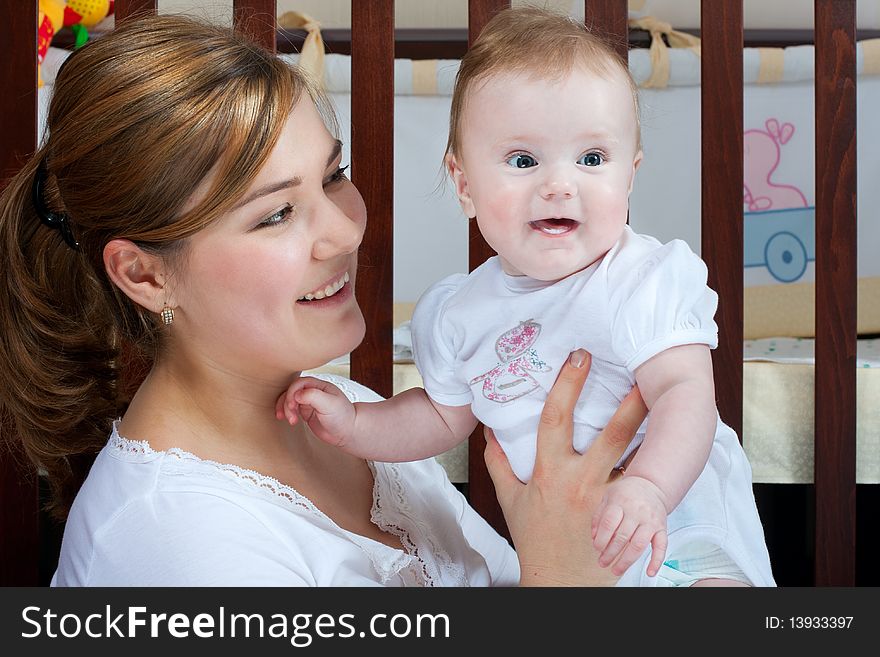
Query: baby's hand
631, 515
327, 411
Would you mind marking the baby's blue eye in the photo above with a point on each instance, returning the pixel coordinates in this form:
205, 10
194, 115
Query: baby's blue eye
522, 161
591, 159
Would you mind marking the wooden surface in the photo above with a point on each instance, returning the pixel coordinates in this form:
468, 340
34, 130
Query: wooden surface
256, 18
608, 17
835, 466
722, 174
19, 530
372, 158
125, 8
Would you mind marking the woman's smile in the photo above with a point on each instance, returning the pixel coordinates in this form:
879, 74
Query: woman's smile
332, 295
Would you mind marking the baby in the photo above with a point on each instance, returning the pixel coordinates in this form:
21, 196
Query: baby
543, 148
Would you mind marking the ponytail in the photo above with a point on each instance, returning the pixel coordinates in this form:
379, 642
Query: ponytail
58, 345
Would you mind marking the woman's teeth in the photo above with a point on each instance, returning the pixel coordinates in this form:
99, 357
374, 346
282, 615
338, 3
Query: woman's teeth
328, 291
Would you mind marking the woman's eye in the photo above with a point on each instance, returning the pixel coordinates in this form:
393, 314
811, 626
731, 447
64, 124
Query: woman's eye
522, 161
277, 218
338, 176
591, 159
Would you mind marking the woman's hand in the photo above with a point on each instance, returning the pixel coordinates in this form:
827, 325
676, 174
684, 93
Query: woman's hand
550, 517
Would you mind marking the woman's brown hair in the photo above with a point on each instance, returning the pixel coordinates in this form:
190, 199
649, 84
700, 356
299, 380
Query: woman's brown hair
137, 120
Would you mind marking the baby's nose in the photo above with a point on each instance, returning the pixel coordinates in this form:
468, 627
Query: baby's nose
558, 187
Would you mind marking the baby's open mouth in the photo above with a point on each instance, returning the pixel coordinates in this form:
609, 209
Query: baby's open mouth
554, 226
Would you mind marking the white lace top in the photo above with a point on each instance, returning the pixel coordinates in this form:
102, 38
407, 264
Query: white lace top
168, 518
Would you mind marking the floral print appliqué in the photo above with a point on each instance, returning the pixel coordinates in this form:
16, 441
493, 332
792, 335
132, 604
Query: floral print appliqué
510, 379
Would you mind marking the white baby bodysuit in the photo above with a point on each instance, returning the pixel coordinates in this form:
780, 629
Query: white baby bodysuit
497, 342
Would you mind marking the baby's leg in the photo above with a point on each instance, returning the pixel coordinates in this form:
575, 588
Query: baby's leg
718, 582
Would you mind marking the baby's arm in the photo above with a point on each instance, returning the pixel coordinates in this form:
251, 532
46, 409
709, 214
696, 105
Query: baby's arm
407, 427
679, 390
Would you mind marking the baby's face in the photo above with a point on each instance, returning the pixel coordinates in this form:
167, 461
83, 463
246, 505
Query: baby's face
547, 167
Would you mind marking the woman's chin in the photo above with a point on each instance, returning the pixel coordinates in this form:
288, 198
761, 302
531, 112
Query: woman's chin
344, 341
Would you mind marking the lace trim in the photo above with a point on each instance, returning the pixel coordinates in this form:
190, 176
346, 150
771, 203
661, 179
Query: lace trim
385, 568
430, 574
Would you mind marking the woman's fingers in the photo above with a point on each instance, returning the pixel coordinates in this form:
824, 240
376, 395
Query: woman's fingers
610, 445
555, 425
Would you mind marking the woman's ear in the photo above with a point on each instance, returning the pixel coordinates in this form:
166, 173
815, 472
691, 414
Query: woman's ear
459, 179
140, 275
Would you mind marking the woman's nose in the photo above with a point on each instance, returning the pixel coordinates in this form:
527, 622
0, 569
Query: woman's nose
341, 229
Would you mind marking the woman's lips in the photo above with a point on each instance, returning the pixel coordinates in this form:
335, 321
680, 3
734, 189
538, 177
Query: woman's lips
343, 295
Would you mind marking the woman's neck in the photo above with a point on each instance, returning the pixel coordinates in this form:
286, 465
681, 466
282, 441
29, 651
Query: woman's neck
215, 415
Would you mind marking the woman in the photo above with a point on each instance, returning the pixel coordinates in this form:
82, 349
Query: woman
190, 207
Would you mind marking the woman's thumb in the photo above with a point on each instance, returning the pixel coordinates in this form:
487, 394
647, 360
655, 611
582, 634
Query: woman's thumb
498, 466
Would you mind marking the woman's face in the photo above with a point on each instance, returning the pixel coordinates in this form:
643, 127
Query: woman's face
267, 290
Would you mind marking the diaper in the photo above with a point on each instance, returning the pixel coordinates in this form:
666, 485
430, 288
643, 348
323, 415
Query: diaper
696, 561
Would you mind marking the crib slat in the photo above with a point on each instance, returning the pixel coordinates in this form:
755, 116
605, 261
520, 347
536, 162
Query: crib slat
372, 153
256, 18
125, 8
836, 275
19, 524
481, 491
609, 17
722, 174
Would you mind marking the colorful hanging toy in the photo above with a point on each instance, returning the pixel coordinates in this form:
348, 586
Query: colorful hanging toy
79, 15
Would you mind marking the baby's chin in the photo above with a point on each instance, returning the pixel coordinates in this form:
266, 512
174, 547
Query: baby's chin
552, 274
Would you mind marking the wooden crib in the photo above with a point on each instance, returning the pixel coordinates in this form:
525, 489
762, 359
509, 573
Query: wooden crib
28, 540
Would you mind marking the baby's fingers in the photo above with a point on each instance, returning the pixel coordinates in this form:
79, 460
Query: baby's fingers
286, 408
634, 549
618, 542
658, 546
606, 524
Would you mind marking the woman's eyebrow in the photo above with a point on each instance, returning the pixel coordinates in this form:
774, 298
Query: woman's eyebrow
271, 188
334, 152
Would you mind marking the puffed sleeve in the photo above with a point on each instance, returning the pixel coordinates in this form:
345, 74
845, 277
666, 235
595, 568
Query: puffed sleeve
662, 302
433, 341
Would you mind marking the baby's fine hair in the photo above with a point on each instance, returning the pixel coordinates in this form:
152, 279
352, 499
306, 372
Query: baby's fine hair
535, 42
138, 120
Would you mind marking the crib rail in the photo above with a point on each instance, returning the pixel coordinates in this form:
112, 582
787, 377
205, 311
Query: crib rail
836, 275
372, 155
722, 157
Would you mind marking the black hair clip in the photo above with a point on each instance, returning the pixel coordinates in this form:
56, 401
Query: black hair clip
57, 220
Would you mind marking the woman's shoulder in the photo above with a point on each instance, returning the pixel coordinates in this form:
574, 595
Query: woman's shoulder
150, 518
